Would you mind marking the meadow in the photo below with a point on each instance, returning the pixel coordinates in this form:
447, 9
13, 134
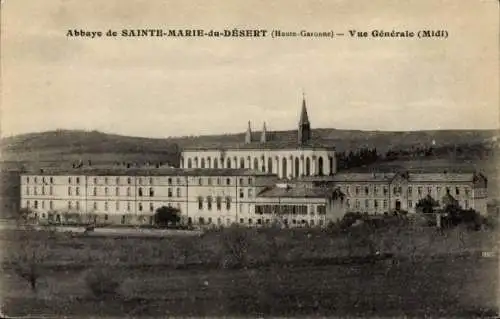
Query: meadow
256, 272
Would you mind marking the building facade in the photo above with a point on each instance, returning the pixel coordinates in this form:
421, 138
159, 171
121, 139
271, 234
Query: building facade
131, 196
378, 193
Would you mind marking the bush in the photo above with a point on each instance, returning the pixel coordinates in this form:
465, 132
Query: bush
102, 283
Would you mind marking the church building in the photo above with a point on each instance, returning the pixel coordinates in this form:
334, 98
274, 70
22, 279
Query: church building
288, 157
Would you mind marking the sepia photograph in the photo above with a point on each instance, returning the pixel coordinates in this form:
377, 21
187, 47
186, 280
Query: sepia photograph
257, 159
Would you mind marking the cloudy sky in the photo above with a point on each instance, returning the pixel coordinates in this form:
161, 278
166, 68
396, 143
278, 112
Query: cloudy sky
161, 87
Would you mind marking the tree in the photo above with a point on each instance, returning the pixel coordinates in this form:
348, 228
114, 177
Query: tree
167, 216
427, 205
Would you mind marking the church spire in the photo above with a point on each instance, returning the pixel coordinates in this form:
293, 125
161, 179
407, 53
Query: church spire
304, 131
304, 119
248, 135
263, 136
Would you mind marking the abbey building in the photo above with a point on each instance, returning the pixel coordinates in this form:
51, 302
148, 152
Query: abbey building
290, 158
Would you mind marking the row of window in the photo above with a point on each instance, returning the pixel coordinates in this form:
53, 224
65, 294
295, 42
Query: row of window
397, 190
218, 203
141, 181
259, 221
375, 204
289, 209
76, 205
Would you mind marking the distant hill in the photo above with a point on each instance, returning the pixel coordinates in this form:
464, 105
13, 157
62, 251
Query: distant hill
66, 146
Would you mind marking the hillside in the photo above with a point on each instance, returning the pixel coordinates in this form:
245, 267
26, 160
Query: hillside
66, 146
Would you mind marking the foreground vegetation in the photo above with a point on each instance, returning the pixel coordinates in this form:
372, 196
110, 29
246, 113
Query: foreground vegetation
390, 270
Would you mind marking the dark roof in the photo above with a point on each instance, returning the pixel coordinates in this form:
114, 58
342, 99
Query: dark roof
300, 192
351, 177
269, 145
117, 171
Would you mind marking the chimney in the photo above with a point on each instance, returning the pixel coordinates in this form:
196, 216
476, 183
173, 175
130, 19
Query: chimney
263, 136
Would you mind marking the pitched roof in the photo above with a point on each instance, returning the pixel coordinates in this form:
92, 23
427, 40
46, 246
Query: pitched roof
120, 171
351, 177
441, 177
295, 192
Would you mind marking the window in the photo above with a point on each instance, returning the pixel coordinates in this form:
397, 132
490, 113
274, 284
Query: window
466, 204
249, 221
419, 191
51, 205
95, 180
357, 205
140, 180
117, 181
69, 205
43, 190
95, 191
367, 190
367, 203
28, 191
438, 189
249, 193
385, 190
78, 180
209, 220
51, 190
200, 181
123, 219
151, 192
128, 191
178, 181
106, 180
129, 181
250, 181
347, 204
467, 191
69, 191
151, 207
219, 203
77, 191
410, 204
140, 191
117, 191
375, 204
321, 209
36, 180
228, 181
209, 202
241, 193
69, 180
151, 181
385, 203
106, 206
117, 206
128, 206
35, 189
429, 190
43, 204
169, 192
106, 217
178, 191
106, 191
27, 180
457, 190
169, 181
140, 207
375, 190
357, 190
95, 205
241, 181
228, 203
201, 221
200, 203
410, 190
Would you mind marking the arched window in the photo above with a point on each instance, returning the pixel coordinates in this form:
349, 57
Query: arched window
228, 164
196, 162
270, 165
151, 192
331, 164
284, 168
255, 164
242, 162
216, 163
308, 166
190, 164
297, 167
320, 166
209, 162
140, 191
209, 202
202, 163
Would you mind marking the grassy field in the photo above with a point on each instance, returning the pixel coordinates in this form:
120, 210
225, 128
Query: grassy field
257, 272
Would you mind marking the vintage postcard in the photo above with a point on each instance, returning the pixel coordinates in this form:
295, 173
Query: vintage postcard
249, 158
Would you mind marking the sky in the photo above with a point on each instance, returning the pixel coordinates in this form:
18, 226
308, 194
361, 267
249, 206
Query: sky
160, 87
